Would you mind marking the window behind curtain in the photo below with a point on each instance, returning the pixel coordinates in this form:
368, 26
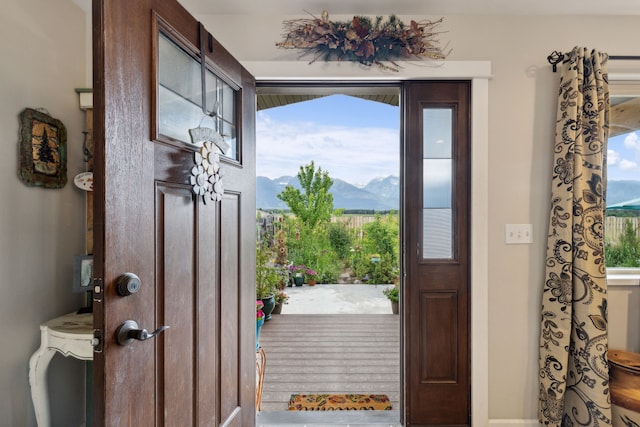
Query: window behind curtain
622, 220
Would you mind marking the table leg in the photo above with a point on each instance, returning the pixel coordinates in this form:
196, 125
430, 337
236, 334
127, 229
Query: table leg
38, 365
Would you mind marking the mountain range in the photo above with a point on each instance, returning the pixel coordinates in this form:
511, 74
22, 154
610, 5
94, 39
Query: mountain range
382, 194
621, 191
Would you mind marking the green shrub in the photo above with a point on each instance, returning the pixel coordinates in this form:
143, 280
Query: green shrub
312, 248
625, 253
339, 238
382, 236
328, 248
392, 293
383, 271
357, 262
268, 277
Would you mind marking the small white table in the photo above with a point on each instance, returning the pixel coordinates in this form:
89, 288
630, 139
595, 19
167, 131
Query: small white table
70, 335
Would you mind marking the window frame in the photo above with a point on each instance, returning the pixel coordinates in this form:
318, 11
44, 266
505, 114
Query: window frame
619, 85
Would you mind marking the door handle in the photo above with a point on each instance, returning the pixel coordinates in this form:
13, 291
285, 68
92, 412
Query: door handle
129, 331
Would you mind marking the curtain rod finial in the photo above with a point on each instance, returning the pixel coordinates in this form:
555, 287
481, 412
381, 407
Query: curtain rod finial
554, 59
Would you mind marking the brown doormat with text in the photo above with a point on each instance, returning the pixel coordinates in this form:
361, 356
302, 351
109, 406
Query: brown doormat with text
339, 402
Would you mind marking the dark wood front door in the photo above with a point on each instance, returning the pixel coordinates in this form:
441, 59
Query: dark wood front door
436, 234
195, 260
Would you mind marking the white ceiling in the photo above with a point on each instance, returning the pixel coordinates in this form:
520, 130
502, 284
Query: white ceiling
414, 7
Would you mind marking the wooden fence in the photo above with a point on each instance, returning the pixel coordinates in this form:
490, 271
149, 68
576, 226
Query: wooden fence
354, 222
614, 226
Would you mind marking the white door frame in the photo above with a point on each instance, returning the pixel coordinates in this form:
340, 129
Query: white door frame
479, 72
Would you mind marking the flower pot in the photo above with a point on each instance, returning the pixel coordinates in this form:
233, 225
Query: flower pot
277, 309
259, 324
298, 280
269, 304
394, 307
312, 282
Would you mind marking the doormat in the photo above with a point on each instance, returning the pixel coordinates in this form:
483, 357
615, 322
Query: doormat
339, 402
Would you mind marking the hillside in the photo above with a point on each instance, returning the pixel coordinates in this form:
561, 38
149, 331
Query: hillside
621, 191
380, 194
384, 193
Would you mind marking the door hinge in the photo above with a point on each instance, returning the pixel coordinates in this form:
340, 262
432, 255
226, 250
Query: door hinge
97, 289
97, 342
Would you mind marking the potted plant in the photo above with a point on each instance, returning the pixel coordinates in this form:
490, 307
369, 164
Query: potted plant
281, 298
267, 279
312, 276
393, 294
259, 321
284, 278
298, 273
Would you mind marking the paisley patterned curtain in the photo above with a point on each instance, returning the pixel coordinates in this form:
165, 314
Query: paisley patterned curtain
574, 373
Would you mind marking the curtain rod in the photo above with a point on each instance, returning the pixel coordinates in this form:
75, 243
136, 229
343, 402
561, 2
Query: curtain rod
556, 57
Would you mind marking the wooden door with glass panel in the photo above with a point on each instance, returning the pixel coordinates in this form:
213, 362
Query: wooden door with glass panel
436, 234
180, 223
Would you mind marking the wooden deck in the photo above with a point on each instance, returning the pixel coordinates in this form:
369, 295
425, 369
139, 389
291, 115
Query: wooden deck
330, 353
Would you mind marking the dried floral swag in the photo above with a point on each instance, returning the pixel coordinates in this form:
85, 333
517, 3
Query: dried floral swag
363, 40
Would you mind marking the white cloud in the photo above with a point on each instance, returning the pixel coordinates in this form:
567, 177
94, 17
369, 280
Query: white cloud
613, 158
355, 155
632, 141
626, 165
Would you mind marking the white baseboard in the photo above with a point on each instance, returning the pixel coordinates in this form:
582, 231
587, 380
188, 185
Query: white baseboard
513, 423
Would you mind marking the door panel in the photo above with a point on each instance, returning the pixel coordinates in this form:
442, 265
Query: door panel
436, 240
176, 305
230, 343
195, 260
439, 333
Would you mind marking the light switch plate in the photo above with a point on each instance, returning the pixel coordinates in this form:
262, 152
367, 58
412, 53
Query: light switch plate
518, 234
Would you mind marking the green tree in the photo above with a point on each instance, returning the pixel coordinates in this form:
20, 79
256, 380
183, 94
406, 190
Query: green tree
315, 205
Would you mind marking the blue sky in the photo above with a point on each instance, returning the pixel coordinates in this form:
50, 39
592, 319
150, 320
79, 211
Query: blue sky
354, 139
358, 140
623, 157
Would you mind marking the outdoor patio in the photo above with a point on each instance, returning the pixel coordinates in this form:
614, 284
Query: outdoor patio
310, 350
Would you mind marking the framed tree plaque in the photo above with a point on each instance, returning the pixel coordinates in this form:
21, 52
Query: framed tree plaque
43, 150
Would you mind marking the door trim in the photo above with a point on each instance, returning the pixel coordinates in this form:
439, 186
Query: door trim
479, 73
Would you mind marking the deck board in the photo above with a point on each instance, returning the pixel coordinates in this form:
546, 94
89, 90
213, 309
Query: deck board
330, 353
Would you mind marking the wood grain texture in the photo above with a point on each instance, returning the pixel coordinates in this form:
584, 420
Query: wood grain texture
148, 222
436, 291
624, 367
341, 353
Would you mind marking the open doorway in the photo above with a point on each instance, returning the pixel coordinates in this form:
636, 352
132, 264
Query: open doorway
340, 336
435, 230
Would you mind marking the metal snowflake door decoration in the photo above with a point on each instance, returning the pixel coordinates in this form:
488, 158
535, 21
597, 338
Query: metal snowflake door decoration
206, 178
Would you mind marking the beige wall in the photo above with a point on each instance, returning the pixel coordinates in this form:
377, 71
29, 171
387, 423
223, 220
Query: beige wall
42, 60
521, 127
44, 57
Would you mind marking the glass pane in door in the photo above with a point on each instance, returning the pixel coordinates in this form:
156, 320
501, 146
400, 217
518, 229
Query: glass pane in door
180, 98
437, 184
